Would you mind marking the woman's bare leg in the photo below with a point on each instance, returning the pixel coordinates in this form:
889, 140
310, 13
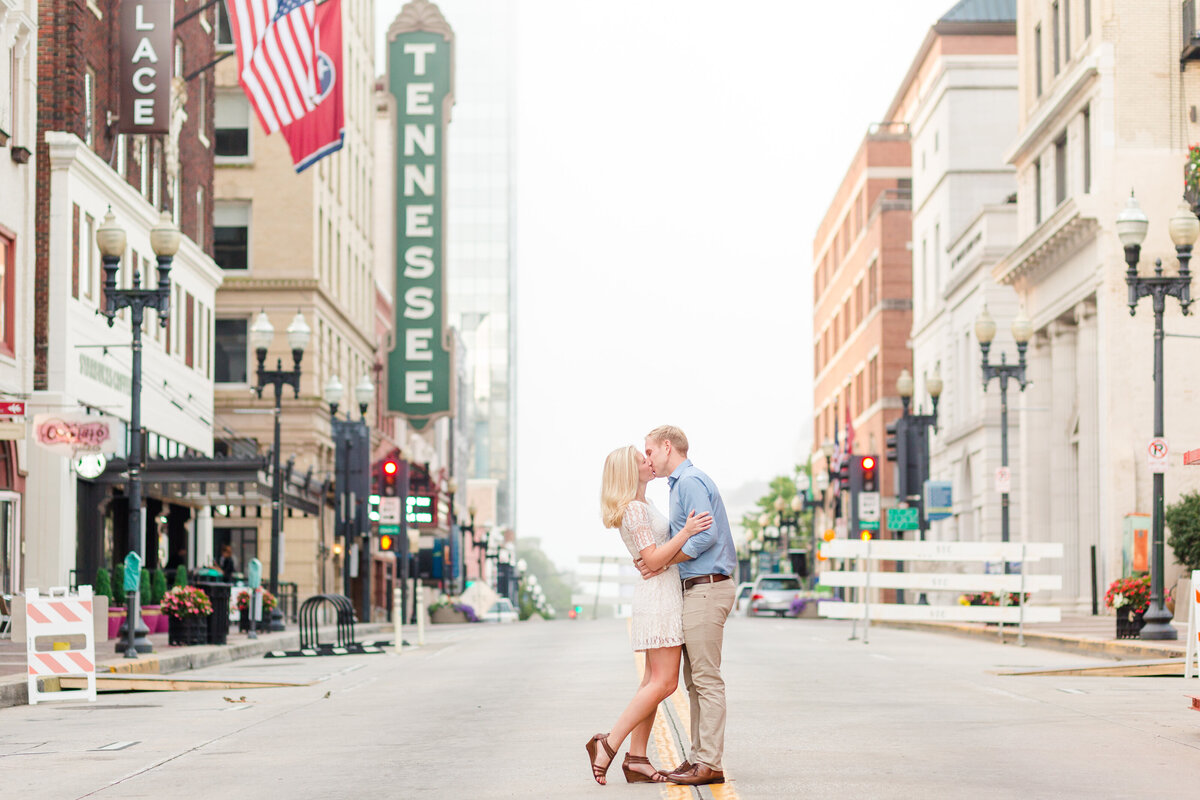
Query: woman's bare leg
640, 734
662, 665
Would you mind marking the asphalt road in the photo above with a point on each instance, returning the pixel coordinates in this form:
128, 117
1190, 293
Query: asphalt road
503, 711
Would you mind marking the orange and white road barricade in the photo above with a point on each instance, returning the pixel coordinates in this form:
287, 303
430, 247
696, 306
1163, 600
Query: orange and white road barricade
61, 641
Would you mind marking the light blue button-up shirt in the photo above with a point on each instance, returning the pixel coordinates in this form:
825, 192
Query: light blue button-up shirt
711, 551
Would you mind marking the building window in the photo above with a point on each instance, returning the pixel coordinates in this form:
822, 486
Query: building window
87, 258
1087, 18
1056, 31
1037, 192
224, 32
231, 235
1037, 57
1087, 150
1060, 170
873, 380
189, 352
233, 125
89, 106
7, 278
1066, 30
229, 351
202, 116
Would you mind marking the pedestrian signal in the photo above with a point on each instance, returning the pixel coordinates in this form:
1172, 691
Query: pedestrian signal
387, 543
829, 534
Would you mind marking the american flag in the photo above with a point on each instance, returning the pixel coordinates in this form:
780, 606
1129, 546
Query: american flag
276, 49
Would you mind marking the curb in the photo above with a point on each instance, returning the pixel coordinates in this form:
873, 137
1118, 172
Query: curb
14, 689
1116, 650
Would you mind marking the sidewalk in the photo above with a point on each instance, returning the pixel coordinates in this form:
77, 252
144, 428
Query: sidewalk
166, 658
1095, 637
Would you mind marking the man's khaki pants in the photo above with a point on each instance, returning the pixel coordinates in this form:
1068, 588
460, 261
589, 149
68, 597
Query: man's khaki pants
705, 609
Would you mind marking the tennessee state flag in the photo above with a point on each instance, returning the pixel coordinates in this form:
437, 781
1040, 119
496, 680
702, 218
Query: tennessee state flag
322, 130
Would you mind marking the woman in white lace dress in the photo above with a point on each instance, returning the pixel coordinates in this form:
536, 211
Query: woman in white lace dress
657, 624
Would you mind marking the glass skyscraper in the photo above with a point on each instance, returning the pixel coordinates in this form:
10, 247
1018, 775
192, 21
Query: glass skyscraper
481, 229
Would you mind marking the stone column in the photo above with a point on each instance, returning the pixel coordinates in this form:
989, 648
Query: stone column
1031, 471
1088, 449
1064, 401
204, 538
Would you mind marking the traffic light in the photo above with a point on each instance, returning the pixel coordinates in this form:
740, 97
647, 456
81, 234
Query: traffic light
844, 475
868, 467
387, 543
897, 443
387, 477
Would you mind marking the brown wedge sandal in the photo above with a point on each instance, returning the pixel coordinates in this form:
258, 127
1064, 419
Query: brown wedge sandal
593, 750
633, 776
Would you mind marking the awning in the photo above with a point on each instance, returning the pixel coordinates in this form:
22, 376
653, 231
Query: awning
223, 481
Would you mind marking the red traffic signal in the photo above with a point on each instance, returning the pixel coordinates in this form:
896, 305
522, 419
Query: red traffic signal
868, 463
390, 467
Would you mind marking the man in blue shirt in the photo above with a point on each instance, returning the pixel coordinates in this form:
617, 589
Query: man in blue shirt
706, 563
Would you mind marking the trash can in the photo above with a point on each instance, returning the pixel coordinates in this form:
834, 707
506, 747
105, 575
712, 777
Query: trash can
218, 622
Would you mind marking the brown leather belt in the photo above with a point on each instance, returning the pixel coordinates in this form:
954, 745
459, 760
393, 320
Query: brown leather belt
714, 578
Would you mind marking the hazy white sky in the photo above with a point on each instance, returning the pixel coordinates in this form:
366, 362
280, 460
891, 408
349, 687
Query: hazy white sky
673, 162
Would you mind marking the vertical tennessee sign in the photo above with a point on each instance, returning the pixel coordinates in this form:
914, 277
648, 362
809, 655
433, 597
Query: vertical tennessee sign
420, 80
147, 56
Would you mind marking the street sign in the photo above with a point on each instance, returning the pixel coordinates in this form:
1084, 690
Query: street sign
389, 510
868, 507
1003, 480
12, 409
903, 519
388, 530
1156, 454
938, 499
868, 524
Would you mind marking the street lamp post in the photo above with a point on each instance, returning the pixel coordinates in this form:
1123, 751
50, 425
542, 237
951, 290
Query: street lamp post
261, 334
1022, 332
915, 428
1131, 229
345, 433
164, 239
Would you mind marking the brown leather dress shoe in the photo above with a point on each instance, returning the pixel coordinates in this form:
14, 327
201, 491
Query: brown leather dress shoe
699, 775
686, 766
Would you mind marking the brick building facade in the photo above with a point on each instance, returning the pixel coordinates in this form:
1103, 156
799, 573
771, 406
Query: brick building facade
81, 365
862, 289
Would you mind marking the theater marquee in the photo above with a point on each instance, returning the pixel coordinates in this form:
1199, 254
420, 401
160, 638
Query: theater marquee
420, 79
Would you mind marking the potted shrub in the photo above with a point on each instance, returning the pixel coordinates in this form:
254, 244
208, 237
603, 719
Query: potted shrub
188, 608
181, 576
243, 606
444, 611
1130, 597
151, 614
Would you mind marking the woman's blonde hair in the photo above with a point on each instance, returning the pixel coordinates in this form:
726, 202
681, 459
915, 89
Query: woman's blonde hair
619, 484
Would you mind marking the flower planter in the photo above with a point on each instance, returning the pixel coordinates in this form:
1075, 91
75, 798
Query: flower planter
187, 630
446, 615
1129, 622
259, 625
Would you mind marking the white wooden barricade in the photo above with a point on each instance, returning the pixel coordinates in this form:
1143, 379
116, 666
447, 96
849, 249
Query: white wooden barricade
65, 618
1193, 635
867, 578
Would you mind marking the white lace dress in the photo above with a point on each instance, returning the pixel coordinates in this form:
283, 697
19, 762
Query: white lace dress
657, 602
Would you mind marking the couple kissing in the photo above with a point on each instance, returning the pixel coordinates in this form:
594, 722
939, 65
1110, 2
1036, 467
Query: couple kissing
679, 609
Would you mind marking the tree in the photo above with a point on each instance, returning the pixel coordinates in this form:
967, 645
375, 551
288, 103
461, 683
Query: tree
1183, 518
